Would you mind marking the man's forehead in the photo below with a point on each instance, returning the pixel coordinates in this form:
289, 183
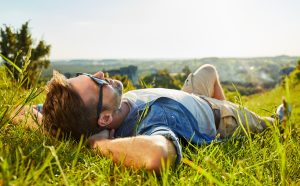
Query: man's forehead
78, 80
84, 87
70, 80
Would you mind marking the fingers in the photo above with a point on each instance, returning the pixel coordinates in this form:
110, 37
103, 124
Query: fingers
92, 140
104, 134
112, 134
99, 75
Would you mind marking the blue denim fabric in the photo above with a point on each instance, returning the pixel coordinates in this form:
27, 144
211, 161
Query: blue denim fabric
164, 117
39, 107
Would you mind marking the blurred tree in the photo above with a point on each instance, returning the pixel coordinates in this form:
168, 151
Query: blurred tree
183, 75
162, 79
295, 76
186, 71
17, 46
298, 65
128, 85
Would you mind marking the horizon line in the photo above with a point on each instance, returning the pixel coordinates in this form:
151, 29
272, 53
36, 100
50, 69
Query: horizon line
175, 58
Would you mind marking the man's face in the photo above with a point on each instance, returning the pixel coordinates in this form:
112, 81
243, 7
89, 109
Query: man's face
89, 91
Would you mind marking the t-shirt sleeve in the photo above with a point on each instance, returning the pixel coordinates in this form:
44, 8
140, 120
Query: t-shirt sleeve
169, 134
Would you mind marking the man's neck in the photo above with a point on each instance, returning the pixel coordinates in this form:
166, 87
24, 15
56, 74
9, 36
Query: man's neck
120, 115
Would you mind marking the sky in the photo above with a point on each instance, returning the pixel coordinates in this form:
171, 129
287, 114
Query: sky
101, 29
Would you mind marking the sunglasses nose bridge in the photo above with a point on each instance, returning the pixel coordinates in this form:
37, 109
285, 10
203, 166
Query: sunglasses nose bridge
100, 81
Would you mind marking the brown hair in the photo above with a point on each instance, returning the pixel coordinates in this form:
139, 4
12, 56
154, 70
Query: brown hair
65, 111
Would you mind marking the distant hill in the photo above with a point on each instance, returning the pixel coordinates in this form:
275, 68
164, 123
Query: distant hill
256, 70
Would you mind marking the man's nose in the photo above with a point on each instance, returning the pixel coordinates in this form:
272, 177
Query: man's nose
99, 75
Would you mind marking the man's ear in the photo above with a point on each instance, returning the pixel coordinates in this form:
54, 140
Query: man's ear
105, 119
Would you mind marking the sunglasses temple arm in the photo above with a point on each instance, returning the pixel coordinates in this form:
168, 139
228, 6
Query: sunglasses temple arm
100, 101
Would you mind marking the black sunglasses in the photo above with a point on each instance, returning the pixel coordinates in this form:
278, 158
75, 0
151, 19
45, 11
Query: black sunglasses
101, 83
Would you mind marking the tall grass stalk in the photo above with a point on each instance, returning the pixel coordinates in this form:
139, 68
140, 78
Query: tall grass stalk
54, 154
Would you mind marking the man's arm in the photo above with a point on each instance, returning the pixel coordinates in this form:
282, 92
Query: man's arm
29, 113
148, 152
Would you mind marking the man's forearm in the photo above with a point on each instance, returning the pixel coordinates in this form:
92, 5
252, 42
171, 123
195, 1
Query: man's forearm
147, 152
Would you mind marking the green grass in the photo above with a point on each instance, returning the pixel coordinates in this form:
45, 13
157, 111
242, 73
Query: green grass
28, 157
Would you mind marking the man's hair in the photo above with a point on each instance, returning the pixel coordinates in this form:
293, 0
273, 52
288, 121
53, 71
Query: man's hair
65, 111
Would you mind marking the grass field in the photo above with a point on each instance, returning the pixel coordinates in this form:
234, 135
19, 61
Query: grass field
27, 157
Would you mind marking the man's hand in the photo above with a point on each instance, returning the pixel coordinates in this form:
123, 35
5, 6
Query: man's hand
26, 113
104, 134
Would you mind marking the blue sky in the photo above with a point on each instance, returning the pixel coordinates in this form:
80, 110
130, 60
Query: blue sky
97, 29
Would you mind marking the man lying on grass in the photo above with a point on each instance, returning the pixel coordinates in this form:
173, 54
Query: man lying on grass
142, 128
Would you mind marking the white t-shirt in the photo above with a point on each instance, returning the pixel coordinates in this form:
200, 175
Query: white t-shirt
196, 105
